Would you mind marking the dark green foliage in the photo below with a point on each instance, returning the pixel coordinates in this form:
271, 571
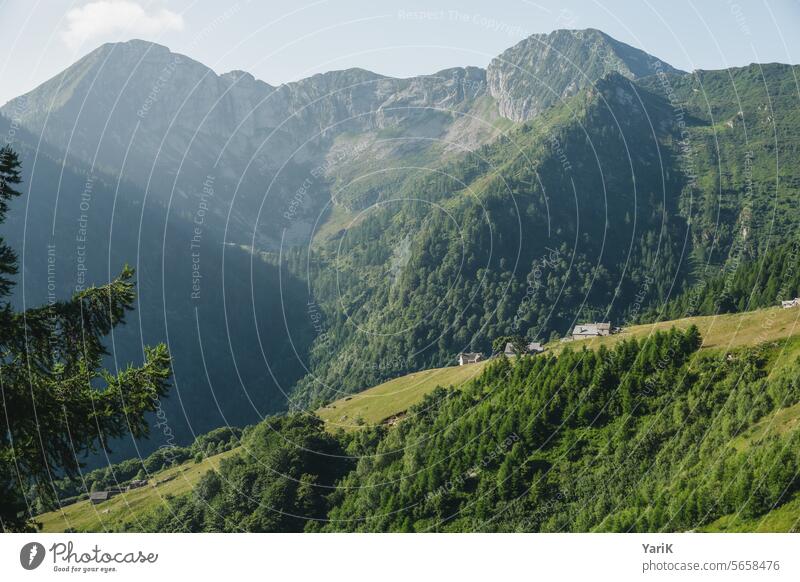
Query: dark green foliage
747, 284
10, 178
280, 482
58, 402
222, 439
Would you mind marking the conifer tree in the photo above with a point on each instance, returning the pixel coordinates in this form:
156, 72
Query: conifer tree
57, 402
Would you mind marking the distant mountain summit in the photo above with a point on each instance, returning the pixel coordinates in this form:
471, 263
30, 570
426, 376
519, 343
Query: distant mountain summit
546, 68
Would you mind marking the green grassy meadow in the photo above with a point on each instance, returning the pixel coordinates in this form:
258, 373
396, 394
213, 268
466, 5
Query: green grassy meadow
381, 402
83, 516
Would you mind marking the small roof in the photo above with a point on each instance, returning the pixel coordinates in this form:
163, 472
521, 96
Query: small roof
590, 328
99, 495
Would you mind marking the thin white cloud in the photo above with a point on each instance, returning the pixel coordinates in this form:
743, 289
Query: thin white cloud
104, 18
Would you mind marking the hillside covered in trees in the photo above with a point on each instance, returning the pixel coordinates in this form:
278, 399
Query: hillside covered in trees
650, 436
634, 200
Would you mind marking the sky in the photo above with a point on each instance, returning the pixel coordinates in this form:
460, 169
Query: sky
285, 40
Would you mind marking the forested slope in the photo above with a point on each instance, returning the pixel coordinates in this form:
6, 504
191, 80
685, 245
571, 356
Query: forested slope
572, 216
649, 436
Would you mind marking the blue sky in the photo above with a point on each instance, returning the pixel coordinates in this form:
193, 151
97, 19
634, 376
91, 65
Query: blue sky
284, 40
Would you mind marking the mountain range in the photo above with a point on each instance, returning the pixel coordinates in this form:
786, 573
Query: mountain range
351, 227
166, 122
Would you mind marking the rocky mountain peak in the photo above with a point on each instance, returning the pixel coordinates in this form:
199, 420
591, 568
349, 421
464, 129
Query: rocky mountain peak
543, 69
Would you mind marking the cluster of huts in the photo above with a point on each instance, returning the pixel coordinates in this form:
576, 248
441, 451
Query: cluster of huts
581, 331
100, 496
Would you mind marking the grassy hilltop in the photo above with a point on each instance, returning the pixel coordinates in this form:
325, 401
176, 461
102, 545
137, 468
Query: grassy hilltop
720, 332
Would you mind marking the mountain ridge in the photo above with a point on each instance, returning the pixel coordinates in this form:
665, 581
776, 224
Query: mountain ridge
192, 122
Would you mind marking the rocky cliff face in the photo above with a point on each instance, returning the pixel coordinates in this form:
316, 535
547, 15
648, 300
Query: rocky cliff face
173, 126
546, 68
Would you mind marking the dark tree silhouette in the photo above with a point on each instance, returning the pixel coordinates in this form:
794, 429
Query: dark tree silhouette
57, 401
